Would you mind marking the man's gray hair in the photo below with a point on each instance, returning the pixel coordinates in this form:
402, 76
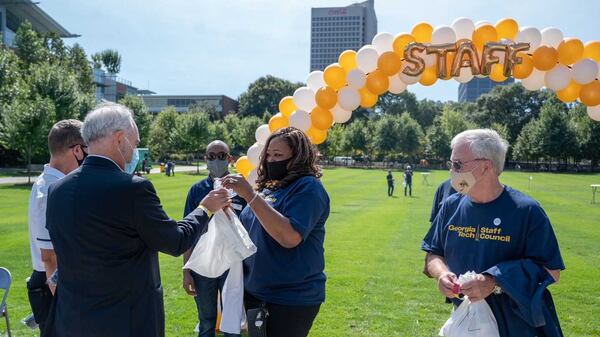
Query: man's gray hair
106, 119
484, 143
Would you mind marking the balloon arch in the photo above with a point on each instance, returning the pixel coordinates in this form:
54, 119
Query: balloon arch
425, 55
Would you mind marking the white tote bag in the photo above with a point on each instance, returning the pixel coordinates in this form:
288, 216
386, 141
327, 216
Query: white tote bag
225, 243
471, 319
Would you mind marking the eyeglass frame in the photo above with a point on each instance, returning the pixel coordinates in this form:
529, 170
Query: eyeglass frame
220, 155
458, 165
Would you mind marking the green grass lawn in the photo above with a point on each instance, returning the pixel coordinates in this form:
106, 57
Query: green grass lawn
373, 260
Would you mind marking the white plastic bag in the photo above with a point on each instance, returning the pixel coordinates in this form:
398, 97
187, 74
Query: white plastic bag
471, 319
225, 243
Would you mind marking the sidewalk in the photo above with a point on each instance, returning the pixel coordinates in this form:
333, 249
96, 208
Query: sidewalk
156, 170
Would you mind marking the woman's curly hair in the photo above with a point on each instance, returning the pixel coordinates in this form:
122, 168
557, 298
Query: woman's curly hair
302, 163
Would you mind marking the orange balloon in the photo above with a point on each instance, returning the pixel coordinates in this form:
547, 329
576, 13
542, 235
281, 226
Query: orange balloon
367, 98
389, 63
422, 32
244, 166
590, 93
278, 121
401, 42
570, 51
507, 29
377, 82
347, 60
484, 34
497, 73
570, 93
335, 76
326, 98
316, 136
545, 58
592, 50
429, 76
525, 68
287, 106
321, 118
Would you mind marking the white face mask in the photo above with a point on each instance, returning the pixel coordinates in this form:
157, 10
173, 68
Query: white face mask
463, 182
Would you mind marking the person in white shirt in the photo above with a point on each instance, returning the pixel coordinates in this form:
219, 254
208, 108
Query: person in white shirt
67, 152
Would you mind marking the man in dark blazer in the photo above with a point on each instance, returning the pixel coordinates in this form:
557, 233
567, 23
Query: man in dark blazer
107, 227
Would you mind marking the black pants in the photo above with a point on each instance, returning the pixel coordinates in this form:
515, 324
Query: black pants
40, 298
285, 320
409, 186
390, 190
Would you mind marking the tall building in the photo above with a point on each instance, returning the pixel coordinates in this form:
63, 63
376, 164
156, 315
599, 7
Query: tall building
14, 12
470, 91
222, 104
335, 29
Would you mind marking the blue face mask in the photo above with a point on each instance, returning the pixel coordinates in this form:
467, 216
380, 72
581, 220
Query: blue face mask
132, 164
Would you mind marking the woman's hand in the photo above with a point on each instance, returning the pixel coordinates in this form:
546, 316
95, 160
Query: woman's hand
240, 185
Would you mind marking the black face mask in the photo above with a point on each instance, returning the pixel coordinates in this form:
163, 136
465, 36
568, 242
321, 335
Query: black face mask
277, 170
80, 161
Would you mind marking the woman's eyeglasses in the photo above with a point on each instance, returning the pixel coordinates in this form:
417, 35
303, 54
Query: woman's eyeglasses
458, 165
219, 156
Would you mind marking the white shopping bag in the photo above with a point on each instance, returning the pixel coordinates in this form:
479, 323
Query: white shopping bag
225, 243
471, 319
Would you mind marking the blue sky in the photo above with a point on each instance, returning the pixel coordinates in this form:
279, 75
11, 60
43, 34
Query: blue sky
219, 46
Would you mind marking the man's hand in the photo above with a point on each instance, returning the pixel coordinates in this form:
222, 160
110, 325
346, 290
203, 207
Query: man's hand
188, 283
446, 283
216, 200
479, 288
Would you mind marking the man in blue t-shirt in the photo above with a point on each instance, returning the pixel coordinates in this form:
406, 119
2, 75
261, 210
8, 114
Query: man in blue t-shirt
205, 289
441, 194
408, 174
486, 225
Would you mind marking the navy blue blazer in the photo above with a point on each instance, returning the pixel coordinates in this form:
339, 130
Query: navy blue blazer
107, 228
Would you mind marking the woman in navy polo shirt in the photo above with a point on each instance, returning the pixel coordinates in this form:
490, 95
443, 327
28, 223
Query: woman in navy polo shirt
285, 218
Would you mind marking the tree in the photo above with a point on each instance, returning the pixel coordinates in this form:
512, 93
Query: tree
161, 133
426, 111
410, 136
454, 122
527, 146
191, 134
29, 45
111, 59
438, 141
264, 94
142, 117
356, 139
587, 133
333, 146
387, 135
244, 132
556, 137
392, 104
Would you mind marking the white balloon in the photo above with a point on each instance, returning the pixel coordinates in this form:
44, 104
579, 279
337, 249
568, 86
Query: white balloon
598, 76
254, 153
396, 85
304, 98
558, 77
530, 35
463, 27
408, 79
348, 98
383, 42
585, 71
253, 177
443, 34
356, 79
535, 81
315, 80
300, 120
340, 115
262, 134
594, 112
366, 58
466, 75
551, 36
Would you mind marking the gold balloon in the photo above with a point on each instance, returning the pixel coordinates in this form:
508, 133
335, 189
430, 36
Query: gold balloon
484, 34
316, 136
497, 73
278, 121
545, 58
590, 93
377, 82
401, 41
389, 63
335, 76
430, 76
244, 166
441, 51
466, 49
417, 62
287, 106
507, 29
422, 32
570, 93
570, 51
512, 59
367, 98
591, 50
524, 68
347, 60
321, 119
488, 58
326, 97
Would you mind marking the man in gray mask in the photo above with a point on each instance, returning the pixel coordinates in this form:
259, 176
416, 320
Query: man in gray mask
205, 289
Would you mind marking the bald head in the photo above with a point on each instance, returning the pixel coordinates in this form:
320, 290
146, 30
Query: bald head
217, 146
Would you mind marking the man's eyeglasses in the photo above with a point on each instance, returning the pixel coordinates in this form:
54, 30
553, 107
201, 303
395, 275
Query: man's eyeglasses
458, 165
83, 146
219, 156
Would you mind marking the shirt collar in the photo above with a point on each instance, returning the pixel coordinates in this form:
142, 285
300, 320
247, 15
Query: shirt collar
107, 158
53, 172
